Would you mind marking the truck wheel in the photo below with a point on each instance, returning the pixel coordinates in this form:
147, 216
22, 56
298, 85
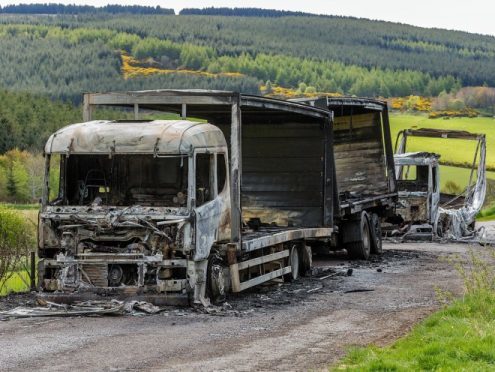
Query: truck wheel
306, 255
361, 246
294, 264
215, 280
376, 234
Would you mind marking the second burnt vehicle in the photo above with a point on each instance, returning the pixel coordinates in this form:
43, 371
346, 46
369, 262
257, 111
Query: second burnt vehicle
365, 182
425, 211
178, 211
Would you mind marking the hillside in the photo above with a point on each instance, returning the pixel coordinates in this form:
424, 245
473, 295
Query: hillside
63, 55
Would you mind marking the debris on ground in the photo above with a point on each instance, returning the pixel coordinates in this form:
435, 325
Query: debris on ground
86, 308
331, 274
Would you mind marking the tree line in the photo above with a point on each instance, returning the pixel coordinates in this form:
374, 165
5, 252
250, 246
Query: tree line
83, 9
244, 12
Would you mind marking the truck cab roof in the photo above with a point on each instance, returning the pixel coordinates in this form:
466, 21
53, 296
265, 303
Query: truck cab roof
416, 158
134, 137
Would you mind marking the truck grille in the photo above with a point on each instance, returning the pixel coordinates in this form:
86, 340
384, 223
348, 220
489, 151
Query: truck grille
96, 273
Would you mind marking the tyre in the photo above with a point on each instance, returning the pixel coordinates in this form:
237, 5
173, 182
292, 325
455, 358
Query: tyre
376, 234
294, 263
360, 247
306, 260
215, 280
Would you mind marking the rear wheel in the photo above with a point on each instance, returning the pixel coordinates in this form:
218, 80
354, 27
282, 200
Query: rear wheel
306, 260
376, 234
360, 247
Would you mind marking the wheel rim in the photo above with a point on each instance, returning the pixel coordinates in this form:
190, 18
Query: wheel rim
294, 263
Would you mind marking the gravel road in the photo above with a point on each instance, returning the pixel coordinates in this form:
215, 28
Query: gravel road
304, 325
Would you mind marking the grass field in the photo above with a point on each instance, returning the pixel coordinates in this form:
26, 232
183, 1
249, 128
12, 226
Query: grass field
458, 338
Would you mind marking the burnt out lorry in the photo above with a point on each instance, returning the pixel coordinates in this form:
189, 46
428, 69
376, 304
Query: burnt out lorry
181, 211
365, 182
426, 211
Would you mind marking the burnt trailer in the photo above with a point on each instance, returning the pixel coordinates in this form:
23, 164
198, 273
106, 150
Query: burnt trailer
182, 211
365, 182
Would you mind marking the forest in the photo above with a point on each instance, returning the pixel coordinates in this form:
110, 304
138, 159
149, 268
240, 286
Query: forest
64, 55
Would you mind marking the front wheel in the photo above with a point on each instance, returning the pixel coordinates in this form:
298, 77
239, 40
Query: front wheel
215, 280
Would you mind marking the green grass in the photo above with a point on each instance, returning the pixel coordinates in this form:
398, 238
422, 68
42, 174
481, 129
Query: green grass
452, 151
21, 206
16, 283
459, 175
487, 214
460, 337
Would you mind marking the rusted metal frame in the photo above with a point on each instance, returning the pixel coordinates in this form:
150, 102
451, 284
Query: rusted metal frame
329, 181
472, 167
445, 134
389, 154
371, 104
263, 259
87, 107
178, 98
285, 236
236, 171
382, 198
135, 99
264, 278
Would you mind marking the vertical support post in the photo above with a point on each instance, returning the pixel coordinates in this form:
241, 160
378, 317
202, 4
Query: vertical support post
183, 114
329, 196
136, 111
32, 274
87, 109
389, 155
235, 170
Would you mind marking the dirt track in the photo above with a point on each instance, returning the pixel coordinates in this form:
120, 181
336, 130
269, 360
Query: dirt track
299, 326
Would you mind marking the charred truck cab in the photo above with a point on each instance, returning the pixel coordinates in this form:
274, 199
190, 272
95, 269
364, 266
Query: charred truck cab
131, 195
418, 176
182, 211
424, 211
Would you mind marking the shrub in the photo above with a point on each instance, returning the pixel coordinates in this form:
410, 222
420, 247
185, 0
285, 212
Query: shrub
16, 241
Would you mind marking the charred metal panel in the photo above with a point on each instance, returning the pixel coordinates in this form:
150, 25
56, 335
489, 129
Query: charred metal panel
413, 209
208, 218
359, 154
283, 173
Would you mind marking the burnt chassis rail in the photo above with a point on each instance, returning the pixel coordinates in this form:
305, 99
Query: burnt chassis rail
456, 214
224, 110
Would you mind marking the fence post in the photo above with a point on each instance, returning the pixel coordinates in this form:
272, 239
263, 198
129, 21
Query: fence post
33, 271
